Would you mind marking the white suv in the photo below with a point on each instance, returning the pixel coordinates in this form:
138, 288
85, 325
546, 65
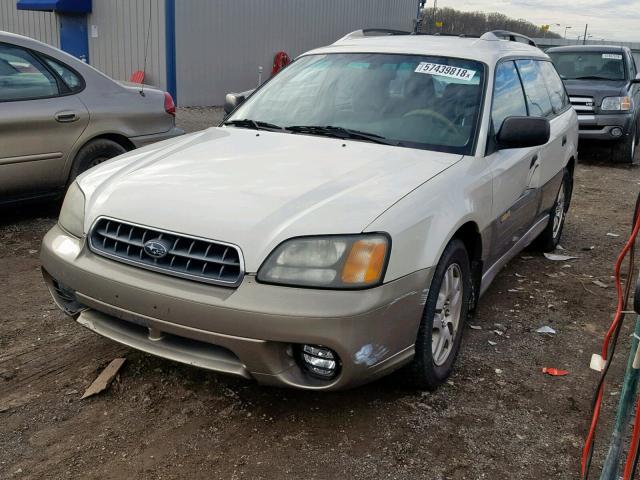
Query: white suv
340, 224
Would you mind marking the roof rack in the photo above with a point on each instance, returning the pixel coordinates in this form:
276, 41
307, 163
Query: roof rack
507, 35
371, 32
493, 35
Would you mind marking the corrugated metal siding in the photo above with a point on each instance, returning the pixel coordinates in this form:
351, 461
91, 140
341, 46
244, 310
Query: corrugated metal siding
221, 44
42, 26
119, 48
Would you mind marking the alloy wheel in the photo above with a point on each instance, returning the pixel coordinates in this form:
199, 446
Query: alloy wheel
446, 319
559, 212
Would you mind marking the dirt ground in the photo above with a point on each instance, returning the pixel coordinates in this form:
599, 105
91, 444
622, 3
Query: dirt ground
499, 417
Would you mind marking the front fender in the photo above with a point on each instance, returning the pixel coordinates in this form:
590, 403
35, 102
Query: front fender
423, 222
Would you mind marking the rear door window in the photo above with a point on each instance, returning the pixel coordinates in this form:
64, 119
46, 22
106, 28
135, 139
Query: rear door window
535, 89
555, 87
23, 77
508, 97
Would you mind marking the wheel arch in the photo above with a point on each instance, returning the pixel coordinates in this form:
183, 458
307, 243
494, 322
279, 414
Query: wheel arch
118, 138
469, 234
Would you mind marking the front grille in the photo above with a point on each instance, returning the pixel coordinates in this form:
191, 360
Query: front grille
184, 256
583, 104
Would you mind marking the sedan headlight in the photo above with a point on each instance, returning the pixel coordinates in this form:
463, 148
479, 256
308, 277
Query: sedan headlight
341, 262
616, 104
72, 214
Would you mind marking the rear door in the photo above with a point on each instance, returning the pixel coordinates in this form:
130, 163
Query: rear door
40, 120
514, 200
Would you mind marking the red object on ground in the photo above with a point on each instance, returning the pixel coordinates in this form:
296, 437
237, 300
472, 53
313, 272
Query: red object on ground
137, 77
169, 105
280, 61
555, 372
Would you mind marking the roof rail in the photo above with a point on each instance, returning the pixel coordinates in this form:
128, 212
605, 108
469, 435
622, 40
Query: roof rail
372, 32
507, 35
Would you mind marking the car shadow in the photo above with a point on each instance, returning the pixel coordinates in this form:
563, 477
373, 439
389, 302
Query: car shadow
599, 153
24, 212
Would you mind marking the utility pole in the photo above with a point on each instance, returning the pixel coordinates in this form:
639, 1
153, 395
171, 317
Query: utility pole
435, 7
419, 15
584, 39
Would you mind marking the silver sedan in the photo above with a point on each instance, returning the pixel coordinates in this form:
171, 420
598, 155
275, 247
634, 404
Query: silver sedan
60, 116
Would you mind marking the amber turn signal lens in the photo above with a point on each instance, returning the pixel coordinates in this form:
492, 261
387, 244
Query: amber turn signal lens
625, 103
365, 262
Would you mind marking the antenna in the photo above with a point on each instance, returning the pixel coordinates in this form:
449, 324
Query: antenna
146, 49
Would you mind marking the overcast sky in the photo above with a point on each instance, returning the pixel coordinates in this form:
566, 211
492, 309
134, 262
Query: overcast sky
609, 19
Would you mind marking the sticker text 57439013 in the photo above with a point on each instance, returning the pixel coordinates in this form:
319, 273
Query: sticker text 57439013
445, 71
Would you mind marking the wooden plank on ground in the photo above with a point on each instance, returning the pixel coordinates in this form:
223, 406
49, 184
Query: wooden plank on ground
105, 378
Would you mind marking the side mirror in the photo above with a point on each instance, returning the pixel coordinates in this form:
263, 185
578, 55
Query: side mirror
636, 80
234, 100
522, 132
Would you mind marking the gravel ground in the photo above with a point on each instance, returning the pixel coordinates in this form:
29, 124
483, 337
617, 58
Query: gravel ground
498, 417
196, 118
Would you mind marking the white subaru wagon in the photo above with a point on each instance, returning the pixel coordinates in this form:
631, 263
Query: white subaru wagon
340, 224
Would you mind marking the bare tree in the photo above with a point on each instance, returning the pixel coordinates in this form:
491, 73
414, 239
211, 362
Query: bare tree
456, 22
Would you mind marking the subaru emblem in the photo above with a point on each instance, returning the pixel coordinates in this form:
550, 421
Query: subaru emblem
156, 248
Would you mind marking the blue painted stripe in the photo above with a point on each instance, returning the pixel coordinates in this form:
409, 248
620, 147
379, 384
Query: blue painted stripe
170, 46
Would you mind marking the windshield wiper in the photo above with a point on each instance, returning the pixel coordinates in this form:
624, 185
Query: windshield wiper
253, 124
342, 133
591, 77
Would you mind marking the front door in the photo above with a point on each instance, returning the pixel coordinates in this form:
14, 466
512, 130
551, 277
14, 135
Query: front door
515, 198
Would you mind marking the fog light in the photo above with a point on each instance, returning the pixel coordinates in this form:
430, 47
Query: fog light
320, 361
616, 131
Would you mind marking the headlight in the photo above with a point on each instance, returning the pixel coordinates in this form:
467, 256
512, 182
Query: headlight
616, 104
349, 261
72, 213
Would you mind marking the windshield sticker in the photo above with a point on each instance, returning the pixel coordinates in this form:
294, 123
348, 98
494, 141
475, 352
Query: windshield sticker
612, 56
445, 71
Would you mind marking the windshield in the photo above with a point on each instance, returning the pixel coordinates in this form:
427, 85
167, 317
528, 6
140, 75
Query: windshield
407, 100
589, 65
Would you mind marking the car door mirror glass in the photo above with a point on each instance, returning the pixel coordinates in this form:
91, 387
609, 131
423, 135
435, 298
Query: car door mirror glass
234, 100
523, 132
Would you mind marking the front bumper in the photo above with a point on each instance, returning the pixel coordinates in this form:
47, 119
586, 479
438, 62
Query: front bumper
249, 331
144, 140
601, 126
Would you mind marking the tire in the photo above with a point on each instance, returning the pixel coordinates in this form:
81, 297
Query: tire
624, 151
434, 357
94, 153
549, 239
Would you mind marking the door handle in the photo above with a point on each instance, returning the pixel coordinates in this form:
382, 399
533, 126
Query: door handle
564, 140
66, 117
534, 160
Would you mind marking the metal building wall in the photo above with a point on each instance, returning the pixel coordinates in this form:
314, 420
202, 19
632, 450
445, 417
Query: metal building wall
220, 44
42, 26
121, 27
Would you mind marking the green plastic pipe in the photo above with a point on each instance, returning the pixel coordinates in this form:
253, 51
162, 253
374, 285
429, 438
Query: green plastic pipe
611, 467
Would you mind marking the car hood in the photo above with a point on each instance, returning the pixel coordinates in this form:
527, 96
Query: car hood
595, 88
256, 189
